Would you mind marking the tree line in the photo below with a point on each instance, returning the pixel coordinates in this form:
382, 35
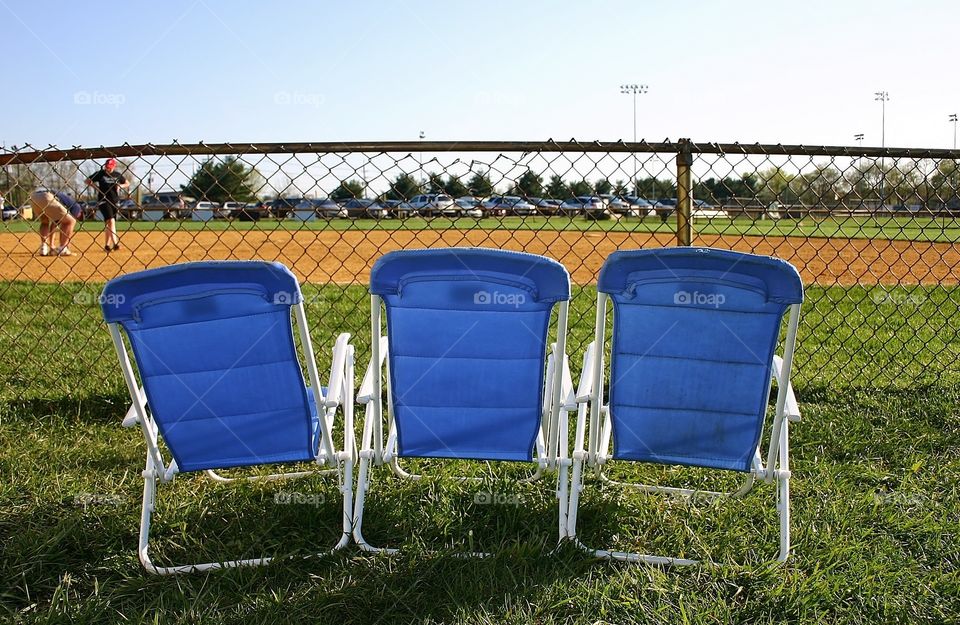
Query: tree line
230, 179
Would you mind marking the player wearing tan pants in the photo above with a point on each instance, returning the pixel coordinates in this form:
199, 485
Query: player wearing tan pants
53, 214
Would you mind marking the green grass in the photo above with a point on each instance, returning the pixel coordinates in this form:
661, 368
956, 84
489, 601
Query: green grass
876, 506
891, 228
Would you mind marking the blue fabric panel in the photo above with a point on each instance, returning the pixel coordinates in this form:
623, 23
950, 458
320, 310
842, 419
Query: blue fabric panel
779, 279
467, 358
121, 295
691, 354
552, 283
221, 375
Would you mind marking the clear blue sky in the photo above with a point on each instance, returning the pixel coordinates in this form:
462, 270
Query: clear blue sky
83, 73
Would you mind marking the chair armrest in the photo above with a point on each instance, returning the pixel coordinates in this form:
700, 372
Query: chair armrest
791, 409
366, 387
332, 399
585, 390
569, 399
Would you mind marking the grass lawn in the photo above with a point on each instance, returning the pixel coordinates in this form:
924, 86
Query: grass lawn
893, 228
876, 502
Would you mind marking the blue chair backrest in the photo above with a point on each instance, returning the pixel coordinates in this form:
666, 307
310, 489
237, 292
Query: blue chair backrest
214, 346
695, 331
468, 340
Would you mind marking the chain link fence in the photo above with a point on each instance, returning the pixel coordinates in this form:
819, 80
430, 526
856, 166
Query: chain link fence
875, 233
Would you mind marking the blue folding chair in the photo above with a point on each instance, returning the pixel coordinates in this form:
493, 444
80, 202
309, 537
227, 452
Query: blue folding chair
692, 357
221, 379
470, 374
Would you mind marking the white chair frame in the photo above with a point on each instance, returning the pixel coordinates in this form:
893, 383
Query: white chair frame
339, 395
592, 444
551, 443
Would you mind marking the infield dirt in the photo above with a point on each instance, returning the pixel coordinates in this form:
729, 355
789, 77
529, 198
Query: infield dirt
345, 257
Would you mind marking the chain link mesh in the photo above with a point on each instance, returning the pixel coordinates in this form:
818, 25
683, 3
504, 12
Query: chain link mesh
874, 233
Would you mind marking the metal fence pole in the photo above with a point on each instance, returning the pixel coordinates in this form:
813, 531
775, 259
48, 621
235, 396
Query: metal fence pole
684, 194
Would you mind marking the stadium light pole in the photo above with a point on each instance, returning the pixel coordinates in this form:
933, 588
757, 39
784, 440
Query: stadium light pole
633, 89
953, 118
883, 97
423, 136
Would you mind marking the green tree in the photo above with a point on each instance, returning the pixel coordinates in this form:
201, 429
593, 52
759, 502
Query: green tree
528, 185
403, 188
620, 188
557, 188
223, 181
777, 185
603, 186
719, 191
480, 184
945, 182
454, 187
348, 190
581, 187
822, 185
653, 188
435, 183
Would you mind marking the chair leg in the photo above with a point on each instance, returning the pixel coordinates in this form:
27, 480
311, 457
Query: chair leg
148, 506
576, 486
363, 484
347, 489
563, 488
783, 494
573, 503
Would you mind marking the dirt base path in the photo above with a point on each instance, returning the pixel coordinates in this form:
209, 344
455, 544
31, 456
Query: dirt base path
346, 256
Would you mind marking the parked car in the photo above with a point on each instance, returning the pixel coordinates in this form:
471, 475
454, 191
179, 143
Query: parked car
545, 206
514, 205
639, 207
618, 206
428, 205
391, 206
360, 207
325, 208
493, 205
128, 209
664, 207
252, 211
205, 211
586, 204
283, 206
10, 212
469, 206
507, 205
229, 209
163, 205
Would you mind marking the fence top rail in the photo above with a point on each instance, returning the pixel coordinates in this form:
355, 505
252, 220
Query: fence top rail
28, 154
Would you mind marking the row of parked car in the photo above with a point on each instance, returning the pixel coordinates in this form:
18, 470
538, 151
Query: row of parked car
176, 206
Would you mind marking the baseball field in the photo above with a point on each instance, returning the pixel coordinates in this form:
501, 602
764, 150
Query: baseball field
874, 461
